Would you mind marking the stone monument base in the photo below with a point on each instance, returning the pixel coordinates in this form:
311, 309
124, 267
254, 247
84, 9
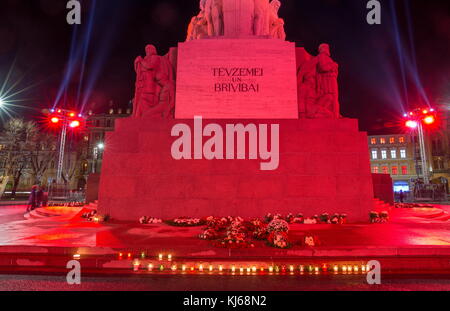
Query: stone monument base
323, 167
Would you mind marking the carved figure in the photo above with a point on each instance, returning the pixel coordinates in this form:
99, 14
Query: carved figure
155, 87
327, 84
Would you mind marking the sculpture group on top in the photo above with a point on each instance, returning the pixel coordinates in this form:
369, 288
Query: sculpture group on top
317, 77
237, 18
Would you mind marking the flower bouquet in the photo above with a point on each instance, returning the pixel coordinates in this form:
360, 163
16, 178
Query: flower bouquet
374, 217
311, 241
186, 222
384, 216
149, 220
279, 240
209, 234
278, 225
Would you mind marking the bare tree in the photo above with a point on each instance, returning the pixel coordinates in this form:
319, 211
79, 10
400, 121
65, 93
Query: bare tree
18, 135
42, 153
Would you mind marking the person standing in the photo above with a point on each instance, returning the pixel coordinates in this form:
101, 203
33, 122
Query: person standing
32, 200
39, 197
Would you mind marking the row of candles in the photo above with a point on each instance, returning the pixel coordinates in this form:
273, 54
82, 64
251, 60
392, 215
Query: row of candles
236, 268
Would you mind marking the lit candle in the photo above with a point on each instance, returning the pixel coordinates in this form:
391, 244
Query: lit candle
183, 267
248, 270
302, 268
76, 256
270, 269
241, 270
349, 268
174, 268
363, 268
200, 268
169, 257
316, 269
150, 267
291, 268
355, 268
344, 268
211, 268
142, 255
160, 256
136, 265
233, 269
336, 268
220, 268
254, 269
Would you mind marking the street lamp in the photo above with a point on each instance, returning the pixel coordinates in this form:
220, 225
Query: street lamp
416, 120
97, 150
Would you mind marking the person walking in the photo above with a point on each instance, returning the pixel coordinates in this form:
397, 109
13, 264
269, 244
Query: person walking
402, 196
32, 200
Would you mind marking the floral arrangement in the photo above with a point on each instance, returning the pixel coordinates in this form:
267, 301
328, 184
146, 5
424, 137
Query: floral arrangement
279, 240
210, 234
278, 225
149, 220
310, 221
258, 229
89, 215
384, 216
310, 241
325, 218
376, 217
186, 222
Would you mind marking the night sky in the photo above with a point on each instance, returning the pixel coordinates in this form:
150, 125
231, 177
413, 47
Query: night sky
383, 68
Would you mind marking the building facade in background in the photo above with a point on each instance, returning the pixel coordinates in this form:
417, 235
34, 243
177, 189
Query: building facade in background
399, 155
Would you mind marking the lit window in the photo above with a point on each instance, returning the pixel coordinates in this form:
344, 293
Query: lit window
392, 140
393, 154
404, 170
375, 170
382, 141
373, 141
401, 140
385, 170
394, 170
384, 154
403, 153
374, 154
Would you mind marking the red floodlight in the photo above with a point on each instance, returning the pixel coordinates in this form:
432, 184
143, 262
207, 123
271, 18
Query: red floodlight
412, 124
75, 124
429, 120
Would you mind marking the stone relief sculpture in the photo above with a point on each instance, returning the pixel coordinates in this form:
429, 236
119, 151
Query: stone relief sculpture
214, 16
276, 24
155, 86
198, 27
237, 18
318, 86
